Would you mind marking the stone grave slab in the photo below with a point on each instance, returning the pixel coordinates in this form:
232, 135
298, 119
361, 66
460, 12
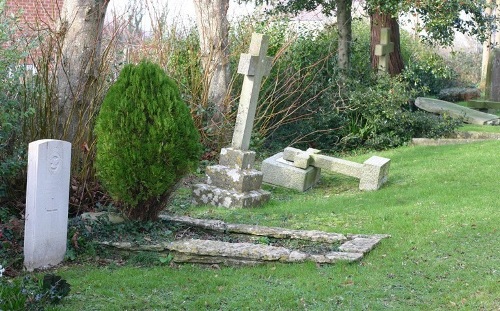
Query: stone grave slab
47, 201
443, 107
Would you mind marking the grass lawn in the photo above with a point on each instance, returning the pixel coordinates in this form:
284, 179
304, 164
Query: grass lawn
441, 207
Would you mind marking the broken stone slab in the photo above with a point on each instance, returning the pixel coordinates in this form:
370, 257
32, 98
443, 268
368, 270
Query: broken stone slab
278, 171
469, 115
373, 173
274, 232
353, 246
360, 244
219, 252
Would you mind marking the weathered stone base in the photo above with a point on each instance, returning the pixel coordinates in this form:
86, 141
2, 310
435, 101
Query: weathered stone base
278, 171
205, 194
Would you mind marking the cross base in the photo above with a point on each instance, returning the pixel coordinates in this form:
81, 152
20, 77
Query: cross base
233, 182
211, 195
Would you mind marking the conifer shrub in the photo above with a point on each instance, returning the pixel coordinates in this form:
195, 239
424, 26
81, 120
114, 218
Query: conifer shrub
146, 140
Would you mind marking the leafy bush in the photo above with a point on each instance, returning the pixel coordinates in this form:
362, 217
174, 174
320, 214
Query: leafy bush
381, 116
146, 140
13, 113
425, 70
32, 294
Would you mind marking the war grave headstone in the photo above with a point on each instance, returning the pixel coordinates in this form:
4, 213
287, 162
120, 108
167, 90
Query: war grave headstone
234, 182
281, 169
47, 200
492, 85
383, 49
469, 115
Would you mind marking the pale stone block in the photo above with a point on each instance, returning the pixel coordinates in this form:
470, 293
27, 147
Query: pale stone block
280, 172
233, 178
47, 200
336, 165
209, 195
375, 173
235, 158
248, 64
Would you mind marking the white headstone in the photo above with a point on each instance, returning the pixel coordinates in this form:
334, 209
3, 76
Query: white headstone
47, 200
254, 66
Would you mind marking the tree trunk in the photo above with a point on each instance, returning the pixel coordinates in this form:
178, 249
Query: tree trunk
345, 35
486, 50
213, 29
380, 20
80, 29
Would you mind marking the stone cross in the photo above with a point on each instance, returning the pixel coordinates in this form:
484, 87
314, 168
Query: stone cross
47, 200
254, 66
383, 49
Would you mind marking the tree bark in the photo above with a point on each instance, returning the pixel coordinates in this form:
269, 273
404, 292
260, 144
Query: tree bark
213, 30
380, 20
344, 21
80, 29
486, 50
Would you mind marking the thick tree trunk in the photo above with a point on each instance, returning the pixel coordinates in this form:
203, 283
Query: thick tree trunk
80, 28
380, 20
213, 29
345, 34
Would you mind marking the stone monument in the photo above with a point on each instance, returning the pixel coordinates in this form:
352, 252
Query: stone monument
491, 102
234, 182
47, 200
383, 49
300, 170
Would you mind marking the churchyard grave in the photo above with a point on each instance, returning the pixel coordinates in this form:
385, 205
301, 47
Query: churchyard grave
234, 182
47, 199
300, 170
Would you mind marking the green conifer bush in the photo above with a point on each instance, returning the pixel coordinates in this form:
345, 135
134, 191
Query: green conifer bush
146, 140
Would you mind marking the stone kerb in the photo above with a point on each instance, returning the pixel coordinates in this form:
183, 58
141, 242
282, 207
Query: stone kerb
372, 174
47, 200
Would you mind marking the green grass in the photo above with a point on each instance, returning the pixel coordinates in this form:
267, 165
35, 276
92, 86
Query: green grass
480, 128
441, 207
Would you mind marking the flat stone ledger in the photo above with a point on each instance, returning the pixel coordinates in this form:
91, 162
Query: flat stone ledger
47, 201
233, 183
280, 172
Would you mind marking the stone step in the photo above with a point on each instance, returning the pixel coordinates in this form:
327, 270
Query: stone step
210, 195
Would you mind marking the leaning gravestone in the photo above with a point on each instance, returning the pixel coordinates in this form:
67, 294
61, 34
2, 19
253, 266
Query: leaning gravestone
47, 199
234, 182
469, 115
